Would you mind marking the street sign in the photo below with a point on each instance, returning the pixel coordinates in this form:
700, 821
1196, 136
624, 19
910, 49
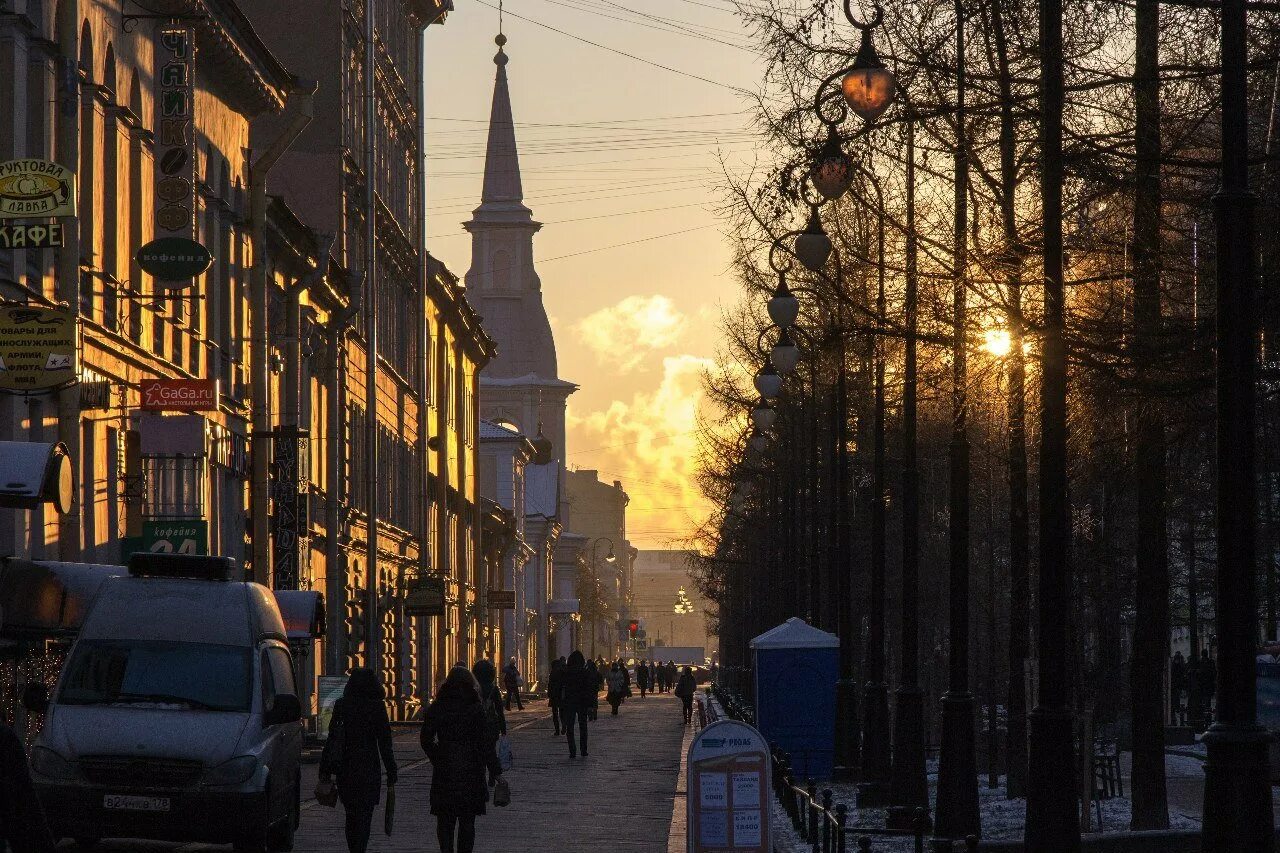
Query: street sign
32, 187
502, 599
174, 260
425, 596
182, 536
37, 349
179, 395
32, 235
175, 138
728, 784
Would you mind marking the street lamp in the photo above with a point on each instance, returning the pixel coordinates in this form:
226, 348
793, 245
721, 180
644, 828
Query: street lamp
768, 382
868, 88
784, 308
609, 558
785, 354
813, 246
763, 415
832, 171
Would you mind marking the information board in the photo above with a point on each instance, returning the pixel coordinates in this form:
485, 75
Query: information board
728, 784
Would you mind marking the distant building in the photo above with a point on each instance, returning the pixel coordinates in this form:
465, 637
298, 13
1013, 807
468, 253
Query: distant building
598, 511
659, 578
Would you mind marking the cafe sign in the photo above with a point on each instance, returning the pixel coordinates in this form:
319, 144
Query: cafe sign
37, 349
175, 150
35, 235
174, 259
32, 188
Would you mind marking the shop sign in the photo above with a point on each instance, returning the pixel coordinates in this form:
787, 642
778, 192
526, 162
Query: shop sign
174, 259
175, 150
729, 796
38, 235
180, 395
36, 188
502, 599
290, 477
425, 597
37, 348
182, 536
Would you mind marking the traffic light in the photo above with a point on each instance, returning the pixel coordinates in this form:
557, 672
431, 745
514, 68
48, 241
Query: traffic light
632, 627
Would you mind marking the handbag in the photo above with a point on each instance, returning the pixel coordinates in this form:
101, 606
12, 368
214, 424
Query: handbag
506, 757
501, 792
327, 793
389, 810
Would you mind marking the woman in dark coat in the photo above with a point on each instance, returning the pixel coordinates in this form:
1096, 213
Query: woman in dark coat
555, 689
685, 688
358, 748
642, 678
454, 737
22, 824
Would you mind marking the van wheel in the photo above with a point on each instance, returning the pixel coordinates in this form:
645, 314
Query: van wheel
280, 836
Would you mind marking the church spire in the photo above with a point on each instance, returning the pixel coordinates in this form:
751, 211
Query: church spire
502, 188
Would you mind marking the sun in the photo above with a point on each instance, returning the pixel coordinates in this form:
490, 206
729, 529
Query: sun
997, 342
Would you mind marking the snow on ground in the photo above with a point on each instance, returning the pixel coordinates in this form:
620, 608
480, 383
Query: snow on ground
1002, 818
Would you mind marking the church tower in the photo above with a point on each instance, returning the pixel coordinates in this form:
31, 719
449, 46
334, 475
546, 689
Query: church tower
522, 386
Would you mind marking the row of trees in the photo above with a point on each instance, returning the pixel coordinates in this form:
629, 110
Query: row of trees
1141, 125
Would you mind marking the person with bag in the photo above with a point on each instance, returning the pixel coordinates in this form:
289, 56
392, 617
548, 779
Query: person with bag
642, 678
495, 718
617, 686
455, 737
555, 689
356, 752
597, 680
685, 688
511, 680
579, 694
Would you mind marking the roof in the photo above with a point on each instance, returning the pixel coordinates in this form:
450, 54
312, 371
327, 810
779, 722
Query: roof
795, 633
490, 431
503, 194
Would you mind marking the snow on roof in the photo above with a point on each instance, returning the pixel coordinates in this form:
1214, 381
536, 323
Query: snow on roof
795, 633
495, 431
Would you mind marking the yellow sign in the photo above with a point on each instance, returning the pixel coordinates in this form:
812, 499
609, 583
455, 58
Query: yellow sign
37, 348
36, 188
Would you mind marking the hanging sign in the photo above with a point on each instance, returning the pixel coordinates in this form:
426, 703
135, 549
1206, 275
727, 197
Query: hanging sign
181, 536
179, 395
425, 596
36, 188
175, 150
37, 349
728, 773
38, 235
174, 259
502, 599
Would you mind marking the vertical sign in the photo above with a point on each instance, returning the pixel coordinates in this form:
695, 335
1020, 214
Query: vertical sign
289, 480
729, 794
175, 150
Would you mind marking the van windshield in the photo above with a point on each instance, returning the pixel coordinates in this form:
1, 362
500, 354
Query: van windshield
198, 675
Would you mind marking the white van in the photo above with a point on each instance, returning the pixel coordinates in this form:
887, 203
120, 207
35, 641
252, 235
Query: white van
176, 717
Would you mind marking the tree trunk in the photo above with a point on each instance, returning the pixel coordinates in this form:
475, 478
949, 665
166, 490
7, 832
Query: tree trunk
1151, 619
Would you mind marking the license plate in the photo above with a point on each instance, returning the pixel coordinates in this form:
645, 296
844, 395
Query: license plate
135, 804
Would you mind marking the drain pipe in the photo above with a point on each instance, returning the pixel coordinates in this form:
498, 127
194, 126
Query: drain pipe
335, 574
301, 104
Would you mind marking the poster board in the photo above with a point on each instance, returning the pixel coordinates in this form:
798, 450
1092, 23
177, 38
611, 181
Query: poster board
729, 790
328, 691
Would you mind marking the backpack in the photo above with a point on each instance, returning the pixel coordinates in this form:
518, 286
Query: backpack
492, 714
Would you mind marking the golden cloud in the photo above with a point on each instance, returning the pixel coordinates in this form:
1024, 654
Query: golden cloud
622, 334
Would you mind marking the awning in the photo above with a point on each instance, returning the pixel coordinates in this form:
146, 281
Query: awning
46, 598
303, 612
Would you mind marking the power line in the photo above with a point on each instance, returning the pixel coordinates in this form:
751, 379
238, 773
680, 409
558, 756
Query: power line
586, 219
622, 52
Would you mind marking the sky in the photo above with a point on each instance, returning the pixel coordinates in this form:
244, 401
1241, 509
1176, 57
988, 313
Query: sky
623, 163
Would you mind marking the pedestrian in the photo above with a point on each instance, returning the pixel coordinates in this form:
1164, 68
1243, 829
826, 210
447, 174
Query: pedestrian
22, 824
642, 678
579, 695
597, 681
495, 721
456, 741
555, 689
1177, 681
626, 676
671, 675
685, 688
617, 686
512, 681
356, 752
1207, 682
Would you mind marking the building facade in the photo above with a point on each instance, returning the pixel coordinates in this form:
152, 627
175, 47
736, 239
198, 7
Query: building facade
598, 511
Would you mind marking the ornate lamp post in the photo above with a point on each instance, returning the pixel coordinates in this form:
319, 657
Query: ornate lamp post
609, 558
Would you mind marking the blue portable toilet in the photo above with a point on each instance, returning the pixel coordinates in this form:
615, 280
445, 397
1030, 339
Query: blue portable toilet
796, 668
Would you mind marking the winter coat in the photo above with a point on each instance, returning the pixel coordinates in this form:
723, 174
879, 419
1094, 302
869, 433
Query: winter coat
511, 677
642, 676
22, 822
617, 682
686, 686
555, 685
365, 751
580, 688
460, 750
495, 719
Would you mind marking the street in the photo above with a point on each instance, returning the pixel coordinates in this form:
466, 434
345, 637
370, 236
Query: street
620, 798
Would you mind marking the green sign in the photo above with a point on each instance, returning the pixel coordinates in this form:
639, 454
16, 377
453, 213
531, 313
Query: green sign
184, 536
174, 259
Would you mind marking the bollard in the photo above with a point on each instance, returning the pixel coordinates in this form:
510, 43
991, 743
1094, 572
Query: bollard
842, 818
826, 820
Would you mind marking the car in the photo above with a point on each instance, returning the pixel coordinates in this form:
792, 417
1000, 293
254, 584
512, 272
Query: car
176, 716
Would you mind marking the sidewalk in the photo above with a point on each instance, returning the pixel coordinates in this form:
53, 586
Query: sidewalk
618, 799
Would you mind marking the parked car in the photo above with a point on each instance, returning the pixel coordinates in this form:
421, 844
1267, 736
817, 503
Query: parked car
176, 717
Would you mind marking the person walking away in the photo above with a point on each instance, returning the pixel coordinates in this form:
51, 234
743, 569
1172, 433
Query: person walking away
597, 681
617, 686
642, 678
456, 741
685, 688
511, 680
555, 689
672, 674
1177, 679
22, 824
495, 721
1207, 679
579, 694
356, 753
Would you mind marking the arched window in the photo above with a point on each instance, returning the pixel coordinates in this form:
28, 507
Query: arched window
88, 168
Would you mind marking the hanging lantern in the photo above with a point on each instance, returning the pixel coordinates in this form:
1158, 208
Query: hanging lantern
784, 308
813, 246
869, 88
832, 171
768, 383
785, 355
